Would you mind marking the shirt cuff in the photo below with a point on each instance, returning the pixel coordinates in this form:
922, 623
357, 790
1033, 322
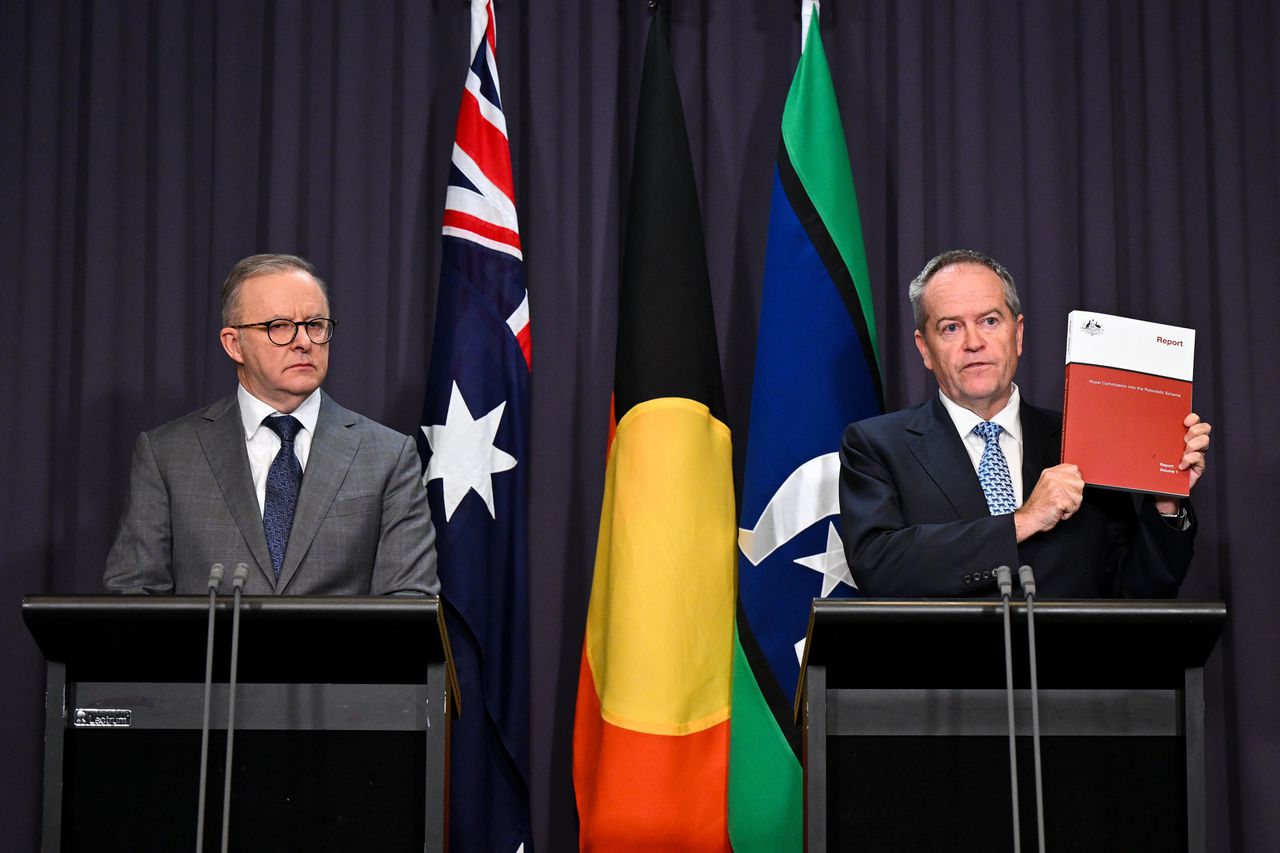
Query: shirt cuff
1179, 520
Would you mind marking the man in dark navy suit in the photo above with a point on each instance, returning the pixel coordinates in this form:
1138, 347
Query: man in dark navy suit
916, 518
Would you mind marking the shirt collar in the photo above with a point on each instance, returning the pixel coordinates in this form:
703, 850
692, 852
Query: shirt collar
965, 420
253, 411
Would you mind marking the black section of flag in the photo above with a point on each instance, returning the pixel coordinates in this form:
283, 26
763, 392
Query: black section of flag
774, 696
666, 325
813, 225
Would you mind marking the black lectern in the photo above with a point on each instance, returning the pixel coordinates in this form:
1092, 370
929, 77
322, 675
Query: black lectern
342, 710
906, 732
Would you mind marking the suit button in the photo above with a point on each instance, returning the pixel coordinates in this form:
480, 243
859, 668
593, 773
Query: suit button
986, 576
968, 579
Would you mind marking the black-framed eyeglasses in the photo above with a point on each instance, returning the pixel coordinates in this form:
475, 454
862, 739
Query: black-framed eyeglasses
281, 332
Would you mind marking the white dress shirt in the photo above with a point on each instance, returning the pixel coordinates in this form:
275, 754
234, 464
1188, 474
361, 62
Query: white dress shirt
1010, 439
262, 443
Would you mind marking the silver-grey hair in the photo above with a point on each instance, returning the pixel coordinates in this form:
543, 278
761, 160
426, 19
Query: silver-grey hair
256, 265
915, 292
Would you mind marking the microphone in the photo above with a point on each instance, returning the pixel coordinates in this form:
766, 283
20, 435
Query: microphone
1028, 581
237, 586
215, 578
1004, 579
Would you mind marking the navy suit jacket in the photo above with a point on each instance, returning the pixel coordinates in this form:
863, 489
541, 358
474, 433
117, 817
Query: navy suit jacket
915, 521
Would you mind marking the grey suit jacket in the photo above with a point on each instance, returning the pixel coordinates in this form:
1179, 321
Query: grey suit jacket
361, 527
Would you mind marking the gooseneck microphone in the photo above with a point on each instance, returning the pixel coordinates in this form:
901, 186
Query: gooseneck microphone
237, 586
1004, 578
1028, 581
215, 578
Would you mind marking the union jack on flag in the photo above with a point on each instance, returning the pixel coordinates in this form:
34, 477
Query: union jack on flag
474, 446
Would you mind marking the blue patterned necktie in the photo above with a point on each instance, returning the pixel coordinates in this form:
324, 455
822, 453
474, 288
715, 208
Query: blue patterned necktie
284, 478
993, 471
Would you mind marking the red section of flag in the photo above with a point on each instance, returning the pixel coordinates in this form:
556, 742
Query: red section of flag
491, 32
485, 145
526, 344
476, 225
653, 800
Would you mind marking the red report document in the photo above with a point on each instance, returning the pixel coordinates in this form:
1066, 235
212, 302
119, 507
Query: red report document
1128, 390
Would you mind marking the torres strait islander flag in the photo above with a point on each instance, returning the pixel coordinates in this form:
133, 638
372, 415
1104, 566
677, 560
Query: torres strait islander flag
474, 445
651, 736
816, 371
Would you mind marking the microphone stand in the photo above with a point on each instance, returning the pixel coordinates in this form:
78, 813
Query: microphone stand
1028, 582
237, 585
1004, 577
215, 578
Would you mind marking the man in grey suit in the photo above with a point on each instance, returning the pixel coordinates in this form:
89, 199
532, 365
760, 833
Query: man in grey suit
315, 499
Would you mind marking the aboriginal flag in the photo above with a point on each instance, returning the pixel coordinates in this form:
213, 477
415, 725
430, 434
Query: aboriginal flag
651, 734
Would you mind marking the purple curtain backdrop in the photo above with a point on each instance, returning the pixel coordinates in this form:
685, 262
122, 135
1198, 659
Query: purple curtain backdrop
1116, 156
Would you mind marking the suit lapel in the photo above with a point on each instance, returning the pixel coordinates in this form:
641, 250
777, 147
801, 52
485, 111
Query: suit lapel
222, 439
1041, 445
940, 451
333, 448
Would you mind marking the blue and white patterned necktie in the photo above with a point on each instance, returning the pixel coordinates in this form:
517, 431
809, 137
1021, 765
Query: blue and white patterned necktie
993, 471
284, 479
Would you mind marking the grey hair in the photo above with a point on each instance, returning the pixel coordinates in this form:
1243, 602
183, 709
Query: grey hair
256, 265
915, 292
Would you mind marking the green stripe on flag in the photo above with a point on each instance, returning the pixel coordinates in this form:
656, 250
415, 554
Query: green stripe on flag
814, 138
766, 802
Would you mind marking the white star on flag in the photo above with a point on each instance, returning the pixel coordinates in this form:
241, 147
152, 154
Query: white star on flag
831, 564
463, 456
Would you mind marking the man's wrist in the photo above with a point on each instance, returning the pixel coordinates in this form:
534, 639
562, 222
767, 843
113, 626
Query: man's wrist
1024, 526
1179, 519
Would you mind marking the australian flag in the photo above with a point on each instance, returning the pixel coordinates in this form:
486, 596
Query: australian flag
474, 445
